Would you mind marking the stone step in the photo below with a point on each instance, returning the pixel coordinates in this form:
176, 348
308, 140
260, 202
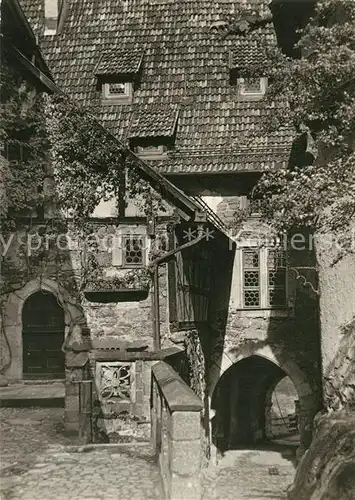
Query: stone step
31, 395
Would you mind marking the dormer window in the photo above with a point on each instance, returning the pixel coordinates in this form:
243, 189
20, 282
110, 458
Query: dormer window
248, 67
120, 91
118, 73
252, 87
152, 130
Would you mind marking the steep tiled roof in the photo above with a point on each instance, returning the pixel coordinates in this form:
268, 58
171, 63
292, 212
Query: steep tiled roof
153, 121
119, 62
185, 63
249, 53
34, 10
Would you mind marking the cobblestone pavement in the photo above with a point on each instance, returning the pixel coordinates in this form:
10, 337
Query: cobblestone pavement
249, 474
36, 465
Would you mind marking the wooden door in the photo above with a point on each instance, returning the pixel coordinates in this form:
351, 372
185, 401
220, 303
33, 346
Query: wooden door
43, 337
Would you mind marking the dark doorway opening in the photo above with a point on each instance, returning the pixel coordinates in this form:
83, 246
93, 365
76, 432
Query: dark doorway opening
43, 337
247, 407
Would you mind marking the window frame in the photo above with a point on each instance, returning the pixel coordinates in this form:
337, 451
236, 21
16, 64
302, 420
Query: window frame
264, 287
252, 94
125, 98
276, 287
153, 153
130, 237
118, 260
251, 269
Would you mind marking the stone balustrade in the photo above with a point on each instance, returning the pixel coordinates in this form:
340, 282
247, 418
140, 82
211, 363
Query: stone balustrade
176, 433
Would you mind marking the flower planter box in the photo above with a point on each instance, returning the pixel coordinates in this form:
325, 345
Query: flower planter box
117, 295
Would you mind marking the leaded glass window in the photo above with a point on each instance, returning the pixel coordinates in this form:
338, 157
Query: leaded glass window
276, 275
133, 250
117, 88
264, 278
251, 278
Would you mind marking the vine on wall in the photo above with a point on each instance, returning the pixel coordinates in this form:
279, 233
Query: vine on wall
57, 161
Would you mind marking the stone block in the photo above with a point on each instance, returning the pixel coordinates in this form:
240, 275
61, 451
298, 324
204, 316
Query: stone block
184, 425
186, 457
139, 382
71, 427
139, 367
139, 397
72, 403
71, 389
187, 488
74, 375
71, 417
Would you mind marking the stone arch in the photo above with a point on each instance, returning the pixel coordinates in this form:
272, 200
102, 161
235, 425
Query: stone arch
290, 367
309, 404
12, 321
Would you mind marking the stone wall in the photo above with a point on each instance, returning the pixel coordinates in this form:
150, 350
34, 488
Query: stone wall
289, 337
337, 317
61, 273
327, 471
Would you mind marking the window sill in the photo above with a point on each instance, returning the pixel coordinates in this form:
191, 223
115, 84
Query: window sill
152, 157
250, 97
116, 100
118, 295
265, 313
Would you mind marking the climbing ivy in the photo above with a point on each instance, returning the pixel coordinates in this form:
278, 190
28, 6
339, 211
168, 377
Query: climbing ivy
87, 161
24, 144
68, 162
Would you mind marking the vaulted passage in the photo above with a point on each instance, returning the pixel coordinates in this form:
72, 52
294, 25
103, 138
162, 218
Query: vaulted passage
43, 337
252, 405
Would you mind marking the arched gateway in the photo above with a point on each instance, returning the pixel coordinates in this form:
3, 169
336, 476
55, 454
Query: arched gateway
240, 391
241, 400
43, 336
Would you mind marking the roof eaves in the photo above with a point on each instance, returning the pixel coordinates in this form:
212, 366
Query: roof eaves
42, 77
17, 11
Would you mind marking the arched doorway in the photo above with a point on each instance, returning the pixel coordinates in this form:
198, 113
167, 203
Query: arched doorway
241, 400
42, 336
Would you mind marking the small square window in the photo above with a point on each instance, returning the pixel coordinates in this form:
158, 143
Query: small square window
252, 87
117, 91
133, 248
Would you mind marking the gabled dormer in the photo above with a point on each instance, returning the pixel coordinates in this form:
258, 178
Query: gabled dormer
152, 130
247, 66
117, 74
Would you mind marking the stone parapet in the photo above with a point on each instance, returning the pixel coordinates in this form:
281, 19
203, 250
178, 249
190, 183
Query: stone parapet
176, 433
